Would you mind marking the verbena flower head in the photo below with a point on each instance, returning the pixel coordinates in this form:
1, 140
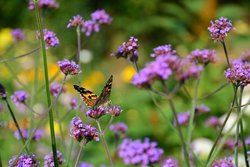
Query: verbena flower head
230, 144
49, 159
204, 57
169, 162
119, 128
156, 70
85, 164
163, 50
73, 103
139, 152
201, 109
19, 97
68, 68
75, 22
213, 122
3, 93
114, 110
50, 38
43, 4
220, 28
80, 131
89, 27
96, 113
24, 161
239, 73
100, 16
17, 34
128, 50
245, 57
226, 162
37, 136
55, 89
182, 118
247, 140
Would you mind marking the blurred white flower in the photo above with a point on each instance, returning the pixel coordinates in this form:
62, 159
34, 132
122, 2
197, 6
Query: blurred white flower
230, 122
201, 147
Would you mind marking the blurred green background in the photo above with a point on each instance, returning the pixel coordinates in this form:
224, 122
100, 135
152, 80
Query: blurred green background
156, 22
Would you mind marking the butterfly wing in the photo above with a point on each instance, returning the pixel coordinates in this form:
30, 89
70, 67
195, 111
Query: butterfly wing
104, 97
88, 97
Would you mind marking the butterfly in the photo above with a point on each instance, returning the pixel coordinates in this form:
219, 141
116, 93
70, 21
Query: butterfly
91, 99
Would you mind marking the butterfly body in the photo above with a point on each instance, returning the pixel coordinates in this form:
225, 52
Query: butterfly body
91, 99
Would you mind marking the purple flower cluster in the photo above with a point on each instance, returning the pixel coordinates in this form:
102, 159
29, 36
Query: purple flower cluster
81, 131
45, 4
96, 113
55, 89
238, 73
19, 97
119, 128
68, 68
128, 50
139, 152
183, 118
114, 110
227, 162
230, 144
49, 162
73, 103
17, 34
169, 162
213, 122
50, 38
89, 26
24, 161
245, 57
163, 50
85, 164
219, 29
37, 136
204, 57
201, 109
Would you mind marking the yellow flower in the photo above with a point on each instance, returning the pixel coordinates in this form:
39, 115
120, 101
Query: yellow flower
5, 39
127, 73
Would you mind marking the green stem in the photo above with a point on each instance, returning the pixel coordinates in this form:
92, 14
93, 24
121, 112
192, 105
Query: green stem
104, 143
79, 153
109, 123
179, 131
226, 54
222, 127
69, 153
214, 92
78, 34
51, 121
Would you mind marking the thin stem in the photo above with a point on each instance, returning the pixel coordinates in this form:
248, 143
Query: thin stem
191, 120
70, 151
31, 109
236, 144
109, 123
16, 124
180, 132
78, 33
222, 127
1, 164
51, 121
104, 143
187, 92
225, 50
79, 153
214, 92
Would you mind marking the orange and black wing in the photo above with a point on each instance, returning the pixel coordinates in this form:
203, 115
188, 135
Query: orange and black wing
88, 97
105, 95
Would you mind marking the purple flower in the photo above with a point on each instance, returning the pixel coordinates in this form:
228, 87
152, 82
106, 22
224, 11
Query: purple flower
3, 93
239, 73
219, 29
128, 50
230, 144
56, 88
156, 70
101, 17
85, 164
49, 160
75, 22
24, 161
169, 162
73, 103
201, 109
115, 110
202, 56
69, 68
247, 140
17, 34
50, 38
213, 122
163, 50
37, 136
139, 152
119, 128
183, 118
96, 113
80, 131
89, 27
49, 4
19, 97
226, 162
245, 57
